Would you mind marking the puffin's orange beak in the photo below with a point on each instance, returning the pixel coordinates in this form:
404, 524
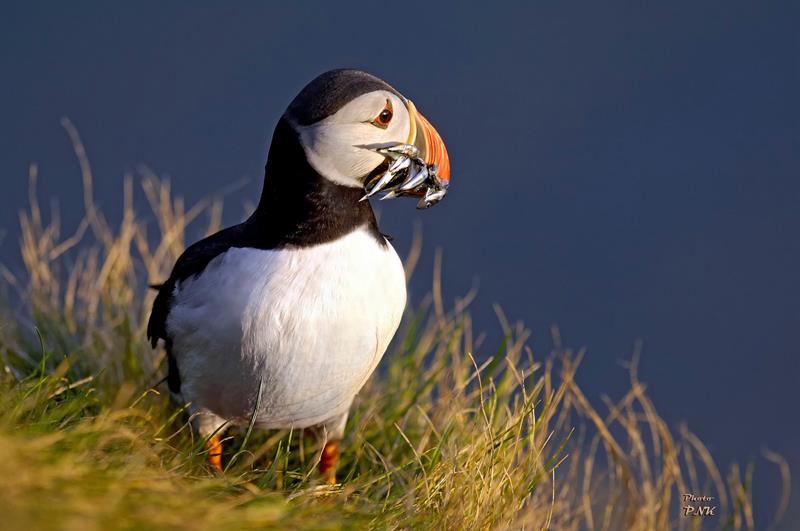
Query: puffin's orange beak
429, 142
420, 167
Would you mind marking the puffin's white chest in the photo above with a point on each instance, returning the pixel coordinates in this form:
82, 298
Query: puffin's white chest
307, 326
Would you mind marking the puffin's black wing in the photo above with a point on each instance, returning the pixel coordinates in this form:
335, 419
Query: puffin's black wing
192, 262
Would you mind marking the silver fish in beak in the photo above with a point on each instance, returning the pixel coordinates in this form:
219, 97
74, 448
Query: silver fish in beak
420, 167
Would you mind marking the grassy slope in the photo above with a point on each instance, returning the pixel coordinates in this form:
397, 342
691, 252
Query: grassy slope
435, 439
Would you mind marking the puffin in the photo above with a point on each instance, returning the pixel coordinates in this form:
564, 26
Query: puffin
278, 322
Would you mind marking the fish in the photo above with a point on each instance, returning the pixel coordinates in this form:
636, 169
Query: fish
407, 175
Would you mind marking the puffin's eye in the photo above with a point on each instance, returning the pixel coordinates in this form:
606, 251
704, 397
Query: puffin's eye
383, 119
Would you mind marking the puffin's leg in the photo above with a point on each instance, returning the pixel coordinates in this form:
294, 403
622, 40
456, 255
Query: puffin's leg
328, 461
213, 446
331, 433
210, 428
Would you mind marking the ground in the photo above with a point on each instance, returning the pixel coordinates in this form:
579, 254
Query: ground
449, 433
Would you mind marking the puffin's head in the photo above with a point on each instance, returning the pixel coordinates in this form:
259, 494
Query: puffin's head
343, 116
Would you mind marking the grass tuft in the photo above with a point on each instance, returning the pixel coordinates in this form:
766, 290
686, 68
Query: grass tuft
443, 436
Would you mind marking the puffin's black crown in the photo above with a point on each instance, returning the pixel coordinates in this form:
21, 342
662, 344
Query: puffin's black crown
330, 91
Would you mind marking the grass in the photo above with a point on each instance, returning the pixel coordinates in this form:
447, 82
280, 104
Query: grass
446, 435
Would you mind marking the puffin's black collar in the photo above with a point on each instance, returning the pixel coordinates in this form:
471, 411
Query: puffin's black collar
298, 206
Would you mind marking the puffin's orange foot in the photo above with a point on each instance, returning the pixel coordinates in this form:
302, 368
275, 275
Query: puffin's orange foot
328, 461
213, 447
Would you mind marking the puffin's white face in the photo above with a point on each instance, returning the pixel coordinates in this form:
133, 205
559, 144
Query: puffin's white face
341, 147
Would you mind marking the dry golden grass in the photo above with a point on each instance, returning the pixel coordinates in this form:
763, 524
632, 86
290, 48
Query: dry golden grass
445, 436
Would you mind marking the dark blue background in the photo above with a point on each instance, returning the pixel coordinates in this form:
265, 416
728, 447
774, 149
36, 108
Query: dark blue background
627, 172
